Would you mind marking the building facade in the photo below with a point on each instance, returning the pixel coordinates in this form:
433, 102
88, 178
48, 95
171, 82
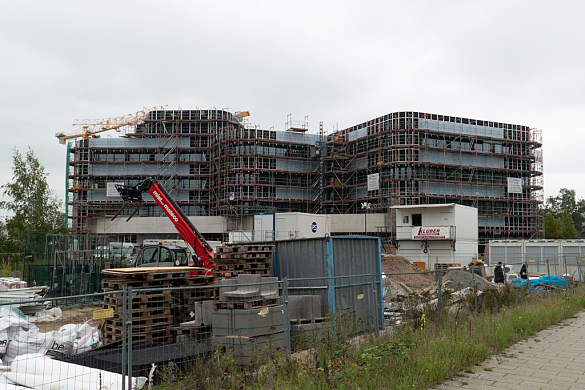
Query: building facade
213, 164
422, 158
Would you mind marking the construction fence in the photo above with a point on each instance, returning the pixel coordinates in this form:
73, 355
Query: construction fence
139, 327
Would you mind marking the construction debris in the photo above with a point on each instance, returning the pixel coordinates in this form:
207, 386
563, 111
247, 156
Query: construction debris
17, 290
455, 280
401, 272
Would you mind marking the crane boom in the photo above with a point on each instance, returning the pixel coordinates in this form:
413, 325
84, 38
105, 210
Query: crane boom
184, 226
91, 127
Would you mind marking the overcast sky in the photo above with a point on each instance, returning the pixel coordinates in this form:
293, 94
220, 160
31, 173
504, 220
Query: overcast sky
340, 62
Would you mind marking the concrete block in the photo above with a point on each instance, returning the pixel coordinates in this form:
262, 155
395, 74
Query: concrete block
269, 290
306, 335
304, 306
245, 293
249, 322
229, 285
203, 314
248, 350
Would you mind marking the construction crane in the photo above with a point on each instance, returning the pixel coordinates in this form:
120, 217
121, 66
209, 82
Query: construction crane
91, 127
240, 115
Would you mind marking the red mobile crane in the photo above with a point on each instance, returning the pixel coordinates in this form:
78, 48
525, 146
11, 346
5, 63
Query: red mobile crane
184, 226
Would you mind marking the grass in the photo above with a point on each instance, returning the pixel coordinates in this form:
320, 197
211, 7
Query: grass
407, 358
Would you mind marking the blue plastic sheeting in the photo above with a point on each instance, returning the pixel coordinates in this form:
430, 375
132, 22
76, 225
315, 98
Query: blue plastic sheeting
552, 280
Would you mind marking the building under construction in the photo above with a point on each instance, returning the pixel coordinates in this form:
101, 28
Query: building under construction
216, 165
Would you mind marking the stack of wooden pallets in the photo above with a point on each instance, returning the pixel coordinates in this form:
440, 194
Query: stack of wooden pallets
236, 259
445, 266
154, 313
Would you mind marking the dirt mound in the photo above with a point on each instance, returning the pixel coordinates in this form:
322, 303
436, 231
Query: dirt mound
456, 280
417, 281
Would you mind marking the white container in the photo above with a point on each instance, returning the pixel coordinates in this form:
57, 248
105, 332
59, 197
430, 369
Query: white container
301, 225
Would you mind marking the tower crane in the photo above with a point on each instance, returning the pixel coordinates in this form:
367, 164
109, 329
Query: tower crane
91, 127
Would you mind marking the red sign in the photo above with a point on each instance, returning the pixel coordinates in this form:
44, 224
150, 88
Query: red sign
430, 233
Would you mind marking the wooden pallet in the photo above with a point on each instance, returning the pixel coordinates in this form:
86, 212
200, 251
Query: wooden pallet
146, 318
243, 305
445, 266
191, 330
118, 300
200, 294
242, 257
242, 266
244, 248
154, 313
143, 309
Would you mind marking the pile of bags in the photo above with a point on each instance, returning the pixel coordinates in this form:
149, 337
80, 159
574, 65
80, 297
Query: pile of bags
18, 337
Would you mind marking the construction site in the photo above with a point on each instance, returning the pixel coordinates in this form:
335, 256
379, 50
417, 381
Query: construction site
221, 170
194, 233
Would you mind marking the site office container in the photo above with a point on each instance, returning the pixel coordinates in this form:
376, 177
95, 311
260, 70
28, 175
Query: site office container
559, 256
326, 265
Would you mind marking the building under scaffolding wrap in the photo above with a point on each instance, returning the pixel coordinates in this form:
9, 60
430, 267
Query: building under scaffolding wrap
215, 165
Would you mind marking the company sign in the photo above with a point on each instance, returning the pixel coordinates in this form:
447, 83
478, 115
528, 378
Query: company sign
373, 182
514, 185
314, 227
431, 233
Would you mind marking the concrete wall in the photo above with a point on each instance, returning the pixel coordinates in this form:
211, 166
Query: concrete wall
339, 223
158, 225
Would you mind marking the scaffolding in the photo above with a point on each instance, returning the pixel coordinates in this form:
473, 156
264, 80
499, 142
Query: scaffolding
216, 164
212, 161
426, 158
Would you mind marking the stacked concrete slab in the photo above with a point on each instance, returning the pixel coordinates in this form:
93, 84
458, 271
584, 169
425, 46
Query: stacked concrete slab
248, 320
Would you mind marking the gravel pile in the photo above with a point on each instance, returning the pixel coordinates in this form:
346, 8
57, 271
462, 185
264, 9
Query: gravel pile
456, 280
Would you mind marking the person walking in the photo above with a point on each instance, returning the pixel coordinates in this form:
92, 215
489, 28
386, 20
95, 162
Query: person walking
499, 273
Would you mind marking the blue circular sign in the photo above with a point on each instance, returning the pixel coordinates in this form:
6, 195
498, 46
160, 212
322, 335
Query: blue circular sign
314, 227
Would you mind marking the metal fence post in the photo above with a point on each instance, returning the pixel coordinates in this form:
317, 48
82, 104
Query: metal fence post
474, 287
124, 344
377, 309
439, 283
548, 269
130, 298
286, 315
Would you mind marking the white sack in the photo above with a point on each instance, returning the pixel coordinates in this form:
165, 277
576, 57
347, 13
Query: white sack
54, 370
41, 382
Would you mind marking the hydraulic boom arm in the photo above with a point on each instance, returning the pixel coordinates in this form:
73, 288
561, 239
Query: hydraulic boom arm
184, 226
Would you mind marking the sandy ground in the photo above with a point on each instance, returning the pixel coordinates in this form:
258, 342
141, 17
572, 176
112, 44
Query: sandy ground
71, 315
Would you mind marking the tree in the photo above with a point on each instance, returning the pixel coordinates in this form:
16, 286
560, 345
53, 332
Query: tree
33, 205
567, 200
568, 229
552, 226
